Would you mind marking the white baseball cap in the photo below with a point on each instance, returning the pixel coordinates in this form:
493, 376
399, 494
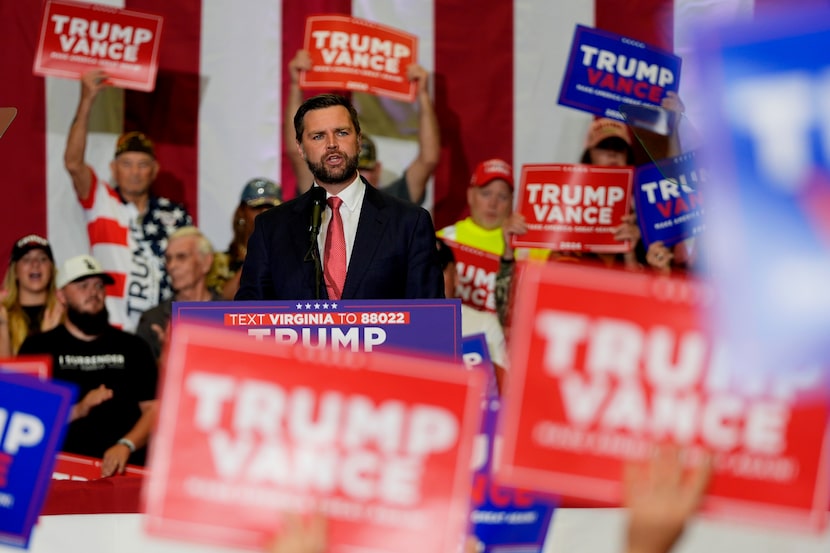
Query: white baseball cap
78, 267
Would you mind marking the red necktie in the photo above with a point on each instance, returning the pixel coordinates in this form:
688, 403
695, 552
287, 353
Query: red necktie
334, 257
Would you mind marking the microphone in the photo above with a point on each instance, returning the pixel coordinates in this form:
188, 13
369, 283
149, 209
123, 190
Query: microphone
318, 205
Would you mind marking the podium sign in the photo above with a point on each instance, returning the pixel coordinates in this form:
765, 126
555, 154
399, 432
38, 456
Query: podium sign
427, 326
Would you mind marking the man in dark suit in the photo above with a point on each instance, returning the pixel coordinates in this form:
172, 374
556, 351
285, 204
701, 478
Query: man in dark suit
389, 244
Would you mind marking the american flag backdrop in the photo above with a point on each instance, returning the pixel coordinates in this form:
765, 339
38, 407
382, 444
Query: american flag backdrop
216, 111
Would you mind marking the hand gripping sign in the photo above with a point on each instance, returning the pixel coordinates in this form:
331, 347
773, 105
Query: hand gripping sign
76, 37
353, 54
574, 207
606, 363
380, 444
32, 422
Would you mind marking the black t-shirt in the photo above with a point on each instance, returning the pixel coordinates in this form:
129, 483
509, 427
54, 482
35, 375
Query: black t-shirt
120, 361
35, 315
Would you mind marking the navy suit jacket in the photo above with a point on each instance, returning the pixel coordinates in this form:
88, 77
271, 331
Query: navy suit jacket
394, 254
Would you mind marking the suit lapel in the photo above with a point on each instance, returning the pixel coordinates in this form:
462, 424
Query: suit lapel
299, 229
300, 237
370, 228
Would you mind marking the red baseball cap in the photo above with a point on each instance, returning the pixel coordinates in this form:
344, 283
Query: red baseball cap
604, 128
489, 170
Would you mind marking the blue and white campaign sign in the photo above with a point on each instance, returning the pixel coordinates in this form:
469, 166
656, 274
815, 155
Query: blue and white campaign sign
502, 518
33, 417
606, 71
768, 201
669, 199
426, 326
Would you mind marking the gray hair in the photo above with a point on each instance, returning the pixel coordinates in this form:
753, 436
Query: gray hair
203, 245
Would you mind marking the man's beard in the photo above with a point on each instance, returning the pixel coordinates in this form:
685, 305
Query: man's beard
91, 324
324, 175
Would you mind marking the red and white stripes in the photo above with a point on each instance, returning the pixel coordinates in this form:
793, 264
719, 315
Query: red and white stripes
217, 109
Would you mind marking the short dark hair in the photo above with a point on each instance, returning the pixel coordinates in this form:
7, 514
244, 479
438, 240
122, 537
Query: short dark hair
322, 101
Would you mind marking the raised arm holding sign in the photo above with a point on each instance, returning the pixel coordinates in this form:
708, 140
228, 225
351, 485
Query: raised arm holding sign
76, 37
127, 225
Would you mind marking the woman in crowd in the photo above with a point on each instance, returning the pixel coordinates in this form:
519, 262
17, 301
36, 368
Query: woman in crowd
681, 258
608, 143
258, 195
29, 305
